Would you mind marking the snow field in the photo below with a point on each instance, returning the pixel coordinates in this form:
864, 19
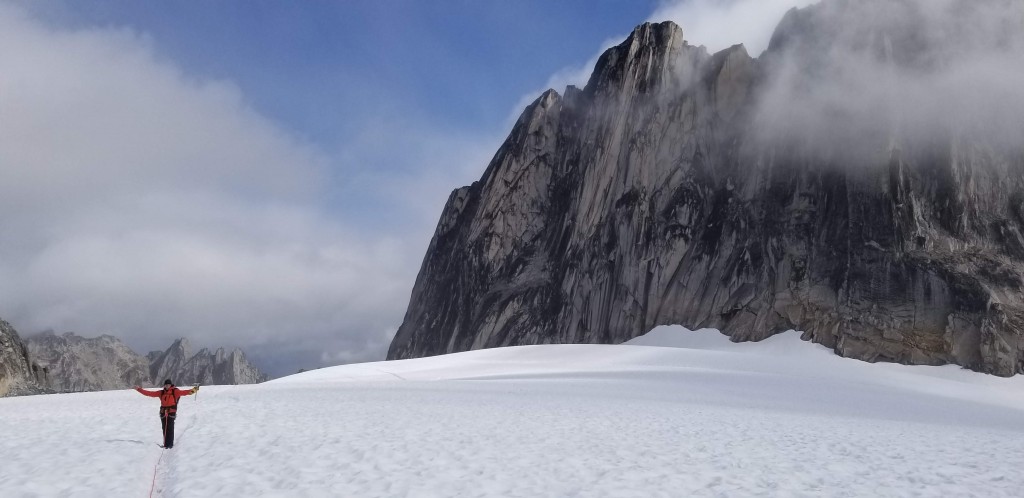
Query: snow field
703, 418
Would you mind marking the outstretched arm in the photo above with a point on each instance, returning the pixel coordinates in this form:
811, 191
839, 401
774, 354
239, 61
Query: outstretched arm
186, 392
151, 394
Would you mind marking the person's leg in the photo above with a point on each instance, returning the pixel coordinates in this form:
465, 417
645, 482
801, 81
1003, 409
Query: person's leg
163, 427
169, 439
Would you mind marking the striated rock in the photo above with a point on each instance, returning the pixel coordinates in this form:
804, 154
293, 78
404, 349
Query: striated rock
171, 363
80, 364
205, 367
19, 374
673, 190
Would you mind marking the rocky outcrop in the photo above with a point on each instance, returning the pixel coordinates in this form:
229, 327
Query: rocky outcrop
204, 367
658, 195
19, 374
80, 364
170, 363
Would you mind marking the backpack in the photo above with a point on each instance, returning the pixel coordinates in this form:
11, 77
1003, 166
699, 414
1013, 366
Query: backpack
168, 399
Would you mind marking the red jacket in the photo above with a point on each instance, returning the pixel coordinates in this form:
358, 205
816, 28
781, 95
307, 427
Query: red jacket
168, 397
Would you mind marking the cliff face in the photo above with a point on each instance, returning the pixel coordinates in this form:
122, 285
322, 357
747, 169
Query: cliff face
19, 374
80, 364
673, 190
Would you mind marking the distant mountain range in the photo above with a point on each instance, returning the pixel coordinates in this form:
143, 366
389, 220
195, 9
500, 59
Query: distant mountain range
204, 367
72, 363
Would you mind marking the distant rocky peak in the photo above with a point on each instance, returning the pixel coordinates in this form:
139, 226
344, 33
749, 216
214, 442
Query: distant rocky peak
81, 363
203, 367
182, 347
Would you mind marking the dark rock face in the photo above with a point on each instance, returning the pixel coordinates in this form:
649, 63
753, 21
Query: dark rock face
656, 196
19, 373
80, 364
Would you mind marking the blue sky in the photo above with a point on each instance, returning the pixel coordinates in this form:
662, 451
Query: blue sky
333, 72
320, 66
267, 175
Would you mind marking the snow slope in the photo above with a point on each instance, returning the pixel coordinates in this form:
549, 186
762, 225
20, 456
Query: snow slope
675, 413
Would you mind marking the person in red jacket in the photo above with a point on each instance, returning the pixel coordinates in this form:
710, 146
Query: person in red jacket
169, 396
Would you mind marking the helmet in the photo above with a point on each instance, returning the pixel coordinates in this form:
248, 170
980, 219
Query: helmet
168, 382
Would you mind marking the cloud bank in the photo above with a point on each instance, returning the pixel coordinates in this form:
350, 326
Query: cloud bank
865, 77
143, 202
720, 24
866, 72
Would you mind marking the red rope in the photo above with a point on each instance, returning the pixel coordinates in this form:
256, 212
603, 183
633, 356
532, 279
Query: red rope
155, 469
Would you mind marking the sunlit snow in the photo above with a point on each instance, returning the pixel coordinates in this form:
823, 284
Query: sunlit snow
675, 413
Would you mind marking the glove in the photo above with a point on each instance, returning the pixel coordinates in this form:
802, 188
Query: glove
195, 389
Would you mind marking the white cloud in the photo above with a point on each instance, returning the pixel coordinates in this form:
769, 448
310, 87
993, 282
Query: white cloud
911, 73
94, 111
144, 202
412, 168
720, 24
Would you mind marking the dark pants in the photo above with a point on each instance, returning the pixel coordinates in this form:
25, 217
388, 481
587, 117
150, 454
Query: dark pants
167, 424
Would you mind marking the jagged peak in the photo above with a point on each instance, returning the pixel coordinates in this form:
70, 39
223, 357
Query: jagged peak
736, 54
737, 48
550, 98
790, 23
646, 38
181, 347
572, 96
649, 42
662, 33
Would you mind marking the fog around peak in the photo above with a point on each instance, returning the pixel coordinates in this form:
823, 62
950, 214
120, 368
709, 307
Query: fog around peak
847, 77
